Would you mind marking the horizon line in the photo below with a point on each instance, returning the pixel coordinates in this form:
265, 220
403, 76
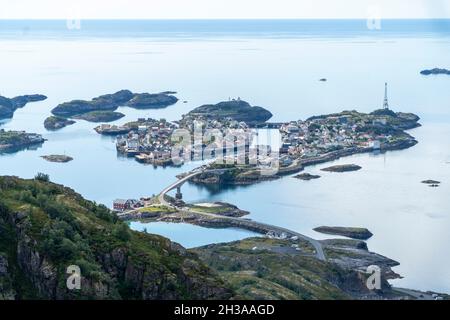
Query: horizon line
211, 19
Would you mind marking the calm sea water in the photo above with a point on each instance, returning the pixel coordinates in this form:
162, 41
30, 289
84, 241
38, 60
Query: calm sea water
274, 64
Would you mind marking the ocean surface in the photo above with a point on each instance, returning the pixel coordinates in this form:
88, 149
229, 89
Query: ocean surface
273, 64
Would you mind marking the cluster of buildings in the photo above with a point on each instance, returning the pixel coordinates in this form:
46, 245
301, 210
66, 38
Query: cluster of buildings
317, 136
13, 139
148, 141
122, 205
191, 123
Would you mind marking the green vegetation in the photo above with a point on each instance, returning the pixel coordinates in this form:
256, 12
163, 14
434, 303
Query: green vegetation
42, 177
157, 209
354, 233
267, 274
100, 116
110, 102
55, 123
213, 209
10, 137
44, 228
237, 110
14, 140
9, 106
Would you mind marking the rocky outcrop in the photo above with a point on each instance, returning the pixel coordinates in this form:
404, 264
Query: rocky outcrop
354, 255
262, 268
6, 290
58, 158
55, 123
342, 168
435, 71
354, 233
431, 182
234, 109
9, 106
110, 102
12, 141
100, 116
306, 176
151, 101
115, 262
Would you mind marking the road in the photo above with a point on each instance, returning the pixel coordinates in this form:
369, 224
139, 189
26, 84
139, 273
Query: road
181, 181
238, 222
415, 294
255, 225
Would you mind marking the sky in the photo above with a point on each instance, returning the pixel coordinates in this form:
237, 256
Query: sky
222, 9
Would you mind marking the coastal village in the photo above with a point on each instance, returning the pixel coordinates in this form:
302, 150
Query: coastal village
13, 140
303, 142
317, 139
321, 135
150, 140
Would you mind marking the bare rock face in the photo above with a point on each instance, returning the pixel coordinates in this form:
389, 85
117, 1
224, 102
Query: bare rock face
3, 266
6, 290
115, 262
41, 273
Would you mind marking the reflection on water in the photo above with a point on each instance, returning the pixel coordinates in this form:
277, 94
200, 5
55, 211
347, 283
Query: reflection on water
190, 235
410, 221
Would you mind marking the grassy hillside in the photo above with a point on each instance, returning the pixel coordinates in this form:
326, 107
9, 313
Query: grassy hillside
44, 228
262, 268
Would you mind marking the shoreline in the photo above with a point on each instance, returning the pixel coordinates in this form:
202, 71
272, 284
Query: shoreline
300, 165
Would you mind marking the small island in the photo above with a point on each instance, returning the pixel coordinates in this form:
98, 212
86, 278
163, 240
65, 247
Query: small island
235, 109
11, 141
219, 208
110, 102
9, 105
55, 123
316, 140
100, 116
57, 158
342, 168
143, 123
354, 233
306, 176
152, 101
431, 182
435, 71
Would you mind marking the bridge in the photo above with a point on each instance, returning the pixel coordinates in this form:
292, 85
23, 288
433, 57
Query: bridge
177, 185
241, 223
